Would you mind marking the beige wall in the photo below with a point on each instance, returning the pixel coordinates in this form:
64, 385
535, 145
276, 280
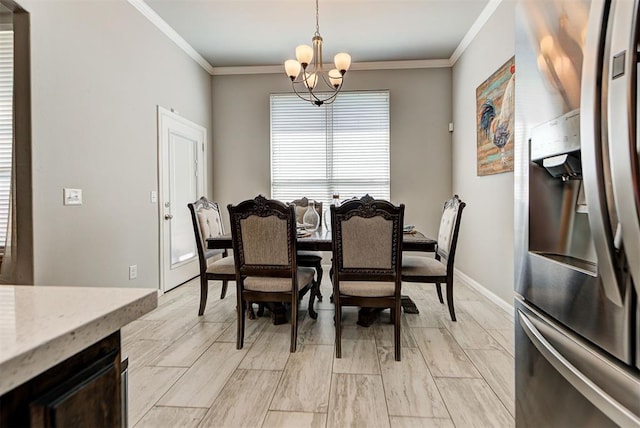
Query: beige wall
99, 69
96, 86
485, 248
420, 111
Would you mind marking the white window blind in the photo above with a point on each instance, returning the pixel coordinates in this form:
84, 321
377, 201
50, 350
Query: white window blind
6, 127
341, 148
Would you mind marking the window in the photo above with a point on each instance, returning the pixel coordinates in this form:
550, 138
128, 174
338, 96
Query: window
6, 127
341, 148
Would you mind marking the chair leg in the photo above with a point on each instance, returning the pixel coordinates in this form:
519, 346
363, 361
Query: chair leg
396, 329
319, 281
439, 290
204, 289
223, 293
312, 296
294, 325
452, 311
331, 276
338, 323
241, 307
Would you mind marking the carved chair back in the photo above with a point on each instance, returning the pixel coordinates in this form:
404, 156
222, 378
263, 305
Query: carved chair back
367, 240
449, 228
207, 223
263, 233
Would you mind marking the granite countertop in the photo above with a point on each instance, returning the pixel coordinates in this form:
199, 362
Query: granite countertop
41, 326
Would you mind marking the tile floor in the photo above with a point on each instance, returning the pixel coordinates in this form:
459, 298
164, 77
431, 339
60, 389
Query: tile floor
185, 371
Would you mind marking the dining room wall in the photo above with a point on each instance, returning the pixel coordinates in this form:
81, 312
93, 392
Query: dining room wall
485, 247
98, 71
420, 142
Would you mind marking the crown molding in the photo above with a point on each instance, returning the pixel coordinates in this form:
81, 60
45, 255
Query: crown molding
162, 25
479, 23
359, 66
398, 65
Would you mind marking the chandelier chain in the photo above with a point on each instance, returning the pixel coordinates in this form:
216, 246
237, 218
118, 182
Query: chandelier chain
317, 20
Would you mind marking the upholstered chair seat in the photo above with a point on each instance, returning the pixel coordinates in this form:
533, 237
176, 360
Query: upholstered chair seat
267, 284
224, 266
423, 266
367, 288
308, 254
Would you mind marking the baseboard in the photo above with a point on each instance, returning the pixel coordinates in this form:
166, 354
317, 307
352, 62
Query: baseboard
467, 280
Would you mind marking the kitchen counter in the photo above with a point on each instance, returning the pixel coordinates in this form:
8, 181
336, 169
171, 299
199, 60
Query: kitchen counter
41, 326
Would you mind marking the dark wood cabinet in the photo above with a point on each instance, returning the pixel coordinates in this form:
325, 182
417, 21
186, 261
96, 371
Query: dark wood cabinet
82, 391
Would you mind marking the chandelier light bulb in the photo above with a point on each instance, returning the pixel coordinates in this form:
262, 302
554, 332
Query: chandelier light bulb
304, 55
292, 68
546, 45
335, 77
310, 80
342, 62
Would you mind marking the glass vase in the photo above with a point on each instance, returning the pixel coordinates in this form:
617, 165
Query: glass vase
311, 218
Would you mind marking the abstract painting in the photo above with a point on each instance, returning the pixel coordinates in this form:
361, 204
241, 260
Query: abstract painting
495, 121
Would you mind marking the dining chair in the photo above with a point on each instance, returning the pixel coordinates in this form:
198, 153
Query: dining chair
310, 258
263, 232
215, 265
367, 257
439, 269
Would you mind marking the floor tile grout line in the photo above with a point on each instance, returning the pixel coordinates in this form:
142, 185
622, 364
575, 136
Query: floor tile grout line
485, 378
426, 363
442, 326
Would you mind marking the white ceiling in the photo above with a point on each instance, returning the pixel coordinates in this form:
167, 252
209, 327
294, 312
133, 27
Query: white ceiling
233, 33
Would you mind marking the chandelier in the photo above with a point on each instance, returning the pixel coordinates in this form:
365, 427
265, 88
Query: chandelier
310, 69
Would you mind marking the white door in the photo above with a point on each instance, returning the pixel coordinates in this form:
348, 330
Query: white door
181, 162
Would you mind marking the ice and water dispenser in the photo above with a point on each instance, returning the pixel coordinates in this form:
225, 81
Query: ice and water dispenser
558, 222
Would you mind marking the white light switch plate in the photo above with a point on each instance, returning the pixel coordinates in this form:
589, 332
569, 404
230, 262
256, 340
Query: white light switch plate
72, 196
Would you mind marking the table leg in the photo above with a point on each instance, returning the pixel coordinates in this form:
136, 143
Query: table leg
408, 305
367, 316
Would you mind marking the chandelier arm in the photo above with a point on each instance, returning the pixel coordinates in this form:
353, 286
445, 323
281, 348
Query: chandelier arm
303, 79
293, 86
313, 98
331, 99
328, 82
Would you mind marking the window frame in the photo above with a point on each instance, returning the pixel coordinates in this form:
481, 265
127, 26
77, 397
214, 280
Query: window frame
341, 132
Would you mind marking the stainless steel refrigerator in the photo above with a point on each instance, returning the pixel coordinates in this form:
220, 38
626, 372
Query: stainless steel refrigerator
577, 213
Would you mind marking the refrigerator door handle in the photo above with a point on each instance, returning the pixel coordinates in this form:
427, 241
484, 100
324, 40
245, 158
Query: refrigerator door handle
591, 135
623, 152
592, 392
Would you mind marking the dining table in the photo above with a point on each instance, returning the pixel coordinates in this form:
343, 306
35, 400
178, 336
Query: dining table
320, 240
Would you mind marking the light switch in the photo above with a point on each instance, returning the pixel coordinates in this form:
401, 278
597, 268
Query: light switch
72, 196
154, 196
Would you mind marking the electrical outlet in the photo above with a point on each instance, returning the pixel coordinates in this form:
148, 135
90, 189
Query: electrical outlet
72, 196
133, 271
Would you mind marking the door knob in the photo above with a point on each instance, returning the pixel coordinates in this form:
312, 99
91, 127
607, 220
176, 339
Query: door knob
168, 216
